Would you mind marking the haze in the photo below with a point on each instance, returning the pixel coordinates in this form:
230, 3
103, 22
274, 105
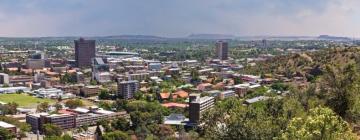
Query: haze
176, 18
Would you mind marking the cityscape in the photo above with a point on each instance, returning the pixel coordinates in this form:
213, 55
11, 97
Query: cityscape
80, 83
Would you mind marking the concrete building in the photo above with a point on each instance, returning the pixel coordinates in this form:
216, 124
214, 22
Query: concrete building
11, 128
222, 50
35, 63
197, 105
48, 93
154, 66
88, 91
36, 121
14, 89
4, 78
100, 70
71, 118
127, 89
84, 52
138, 76
80, 78
227, 94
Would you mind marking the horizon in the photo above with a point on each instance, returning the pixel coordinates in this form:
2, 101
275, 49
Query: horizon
179, 18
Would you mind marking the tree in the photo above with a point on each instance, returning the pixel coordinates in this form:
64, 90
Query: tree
43, 107
121, 124
138, 95
116, 135
164, 131
52, 130
105, 105
58, 106
120, 104
5, 134
321, 124
238, 80
105, 124
73, 103
104, 94
9, 108
98, 133
67, 137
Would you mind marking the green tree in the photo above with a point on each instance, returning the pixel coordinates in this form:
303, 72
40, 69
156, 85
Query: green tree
52, 130
5, 134
104, 95
120, 104
74, 103
320, 124
121, 124
43, 107
9, 108
116, 135
58, 106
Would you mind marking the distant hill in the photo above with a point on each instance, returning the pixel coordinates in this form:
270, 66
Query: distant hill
134, 37
210, 36
327, 37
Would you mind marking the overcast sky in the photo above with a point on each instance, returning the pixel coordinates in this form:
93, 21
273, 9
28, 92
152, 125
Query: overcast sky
176, 18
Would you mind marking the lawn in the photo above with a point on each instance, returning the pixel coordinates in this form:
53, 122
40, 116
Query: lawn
23, 100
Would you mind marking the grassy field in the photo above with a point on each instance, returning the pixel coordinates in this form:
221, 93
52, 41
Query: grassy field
23, 100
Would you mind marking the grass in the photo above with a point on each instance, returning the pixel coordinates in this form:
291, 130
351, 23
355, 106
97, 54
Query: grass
23, 100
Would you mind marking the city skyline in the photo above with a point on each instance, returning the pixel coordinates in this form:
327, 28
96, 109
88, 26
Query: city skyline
39, 18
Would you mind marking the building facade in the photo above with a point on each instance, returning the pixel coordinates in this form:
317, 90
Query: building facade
127, 89
84, 52
222, 50
4, 78
197, 105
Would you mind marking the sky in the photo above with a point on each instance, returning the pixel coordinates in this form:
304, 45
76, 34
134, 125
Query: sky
178, 18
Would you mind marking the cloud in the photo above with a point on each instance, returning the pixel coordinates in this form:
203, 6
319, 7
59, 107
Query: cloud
178, 17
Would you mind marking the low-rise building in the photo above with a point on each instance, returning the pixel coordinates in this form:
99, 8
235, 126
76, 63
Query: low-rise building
88, 91
48, 93
14, 89
227, 94
11, 128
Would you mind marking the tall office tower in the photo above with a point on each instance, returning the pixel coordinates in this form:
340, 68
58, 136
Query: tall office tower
264, 43
84, 52
222, 50
197, 105
127, 89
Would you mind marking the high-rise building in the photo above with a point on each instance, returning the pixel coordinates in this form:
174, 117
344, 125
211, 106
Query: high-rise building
84, 52
222, 50
197, 105
127, 89
264, 43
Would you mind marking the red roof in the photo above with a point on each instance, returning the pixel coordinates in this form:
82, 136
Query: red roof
165, 95
170, 105
181, 94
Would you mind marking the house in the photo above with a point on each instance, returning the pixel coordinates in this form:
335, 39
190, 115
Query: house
180, 94
164, 96
204, 87
226, 94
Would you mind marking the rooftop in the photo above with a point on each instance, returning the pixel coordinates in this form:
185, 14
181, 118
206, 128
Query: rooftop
6, 125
